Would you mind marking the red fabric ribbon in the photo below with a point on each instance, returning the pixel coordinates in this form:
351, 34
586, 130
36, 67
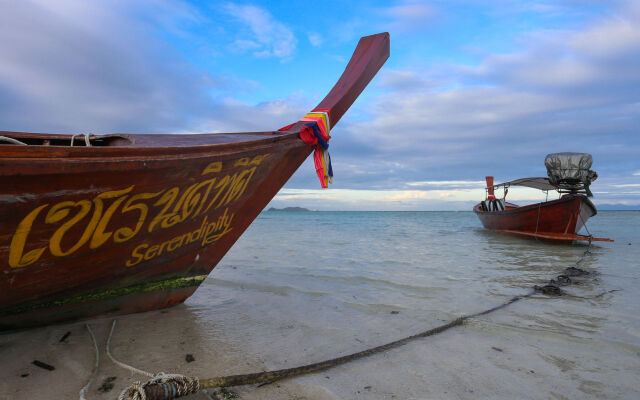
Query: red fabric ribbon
308, 136
317, 161
286, 128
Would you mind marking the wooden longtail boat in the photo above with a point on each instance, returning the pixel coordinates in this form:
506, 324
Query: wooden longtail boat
127, 223
552, 220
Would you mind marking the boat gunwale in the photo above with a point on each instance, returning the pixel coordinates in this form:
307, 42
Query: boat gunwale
11, 152
527, 207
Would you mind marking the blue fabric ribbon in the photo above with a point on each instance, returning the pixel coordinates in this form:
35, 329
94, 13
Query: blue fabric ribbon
316, 130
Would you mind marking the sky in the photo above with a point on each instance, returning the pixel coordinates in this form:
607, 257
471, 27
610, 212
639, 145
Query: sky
472, 88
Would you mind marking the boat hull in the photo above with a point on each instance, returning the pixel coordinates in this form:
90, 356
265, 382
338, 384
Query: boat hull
83, 238
559, 219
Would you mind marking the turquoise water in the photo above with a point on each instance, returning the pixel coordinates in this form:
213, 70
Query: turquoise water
344, 280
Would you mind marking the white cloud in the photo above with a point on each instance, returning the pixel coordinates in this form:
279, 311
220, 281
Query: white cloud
627, 185
65, 68
605, 53
467, 184
406, 80
367, 199
611, 38
315, 39
349, 199
231, 115
409, 15
267, 36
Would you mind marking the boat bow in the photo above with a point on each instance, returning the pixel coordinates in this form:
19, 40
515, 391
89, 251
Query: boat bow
122, 223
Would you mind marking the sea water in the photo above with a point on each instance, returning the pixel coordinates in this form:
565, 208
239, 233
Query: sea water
300, 287
303, 287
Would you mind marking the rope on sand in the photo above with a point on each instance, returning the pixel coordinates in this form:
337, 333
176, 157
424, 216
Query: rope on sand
84, 390
161, 386
168, 387
121, 364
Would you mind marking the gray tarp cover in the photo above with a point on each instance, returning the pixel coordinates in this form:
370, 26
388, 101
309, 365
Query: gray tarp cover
570, 168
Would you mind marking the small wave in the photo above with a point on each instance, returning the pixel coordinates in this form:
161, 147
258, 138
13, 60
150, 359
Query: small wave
275, 289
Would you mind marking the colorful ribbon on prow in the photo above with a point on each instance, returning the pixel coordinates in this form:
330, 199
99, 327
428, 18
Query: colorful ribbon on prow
316, 132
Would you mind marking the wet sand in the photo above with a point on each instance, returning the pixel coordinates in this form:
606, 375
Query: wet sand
153, 341
480, 359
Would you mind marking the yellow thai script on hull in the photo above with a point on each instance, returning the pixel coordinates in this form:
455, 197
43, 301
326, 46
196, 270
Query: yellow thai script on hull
92, 222
208, 233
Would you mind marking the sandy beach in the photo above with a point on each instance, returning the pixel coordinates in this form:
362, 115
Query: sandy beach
477, 360
452, 365
162, 345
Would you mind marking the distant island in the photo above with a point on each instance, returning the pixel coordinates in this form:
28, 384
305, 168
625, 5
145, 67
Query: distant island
289, 209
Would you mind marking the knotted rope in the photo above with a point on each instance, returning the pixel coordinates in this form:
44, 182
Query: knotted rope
162, 386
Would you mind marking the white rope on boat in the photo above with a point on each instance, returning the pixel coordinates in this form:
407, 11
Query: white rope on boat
86, 138
11, 140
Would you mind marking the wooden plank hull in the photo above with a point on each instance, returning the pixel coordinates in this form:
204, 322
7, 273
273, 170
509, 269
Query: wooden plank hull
138, 222
558, 220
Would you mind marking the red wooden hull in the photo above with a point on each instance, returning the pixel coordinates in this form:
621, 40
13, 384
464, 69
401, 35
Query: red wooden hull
553, 220
138, 223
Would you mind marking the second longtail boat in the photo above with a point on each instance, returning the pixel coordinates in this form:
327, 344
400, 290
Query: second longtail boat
554, 220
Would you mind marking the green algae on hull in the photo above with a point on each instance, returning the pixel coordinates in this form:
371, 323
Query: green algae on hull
168, 284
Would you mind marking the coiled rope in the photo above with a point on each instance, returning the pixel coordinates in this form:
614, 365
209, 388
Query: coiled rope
170, 386
163, 386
